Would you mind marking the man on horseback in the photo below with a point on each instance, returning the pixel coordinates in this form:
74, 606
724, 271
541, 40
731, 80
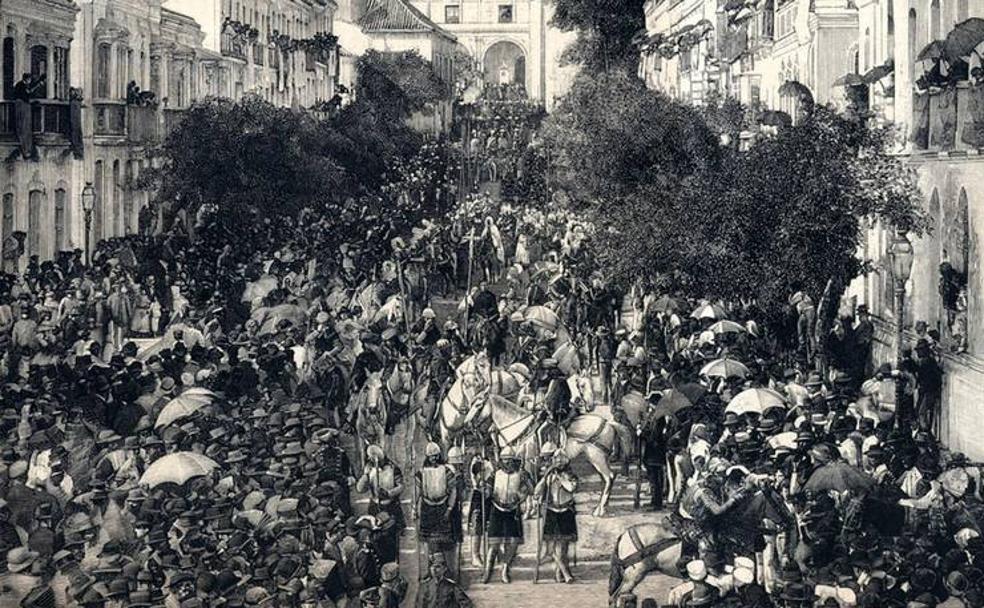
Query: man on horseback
709, 503
510, 486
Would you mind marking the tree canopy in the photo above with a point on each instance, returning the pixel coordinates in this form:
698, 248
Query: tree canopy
604, 32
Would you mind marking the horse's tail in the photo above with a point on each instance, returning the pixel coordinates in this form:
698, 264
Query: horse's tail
616, 570
623, 447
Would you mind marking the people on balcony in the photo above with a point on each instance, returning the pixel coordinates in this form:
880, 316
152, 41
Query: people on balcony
25, 90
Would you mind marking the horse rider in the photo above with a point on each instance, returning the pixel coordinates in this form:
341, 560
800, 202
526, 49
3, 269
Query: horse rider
440, 375
437, 489
653, 432
631, 377
557, 399
425, 334
709, 503
555, 491
383, 480
336, 467
510, 486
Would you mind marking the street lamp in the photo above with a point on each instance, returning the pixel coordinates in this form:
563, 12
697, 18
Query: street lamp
88, 202
901, 254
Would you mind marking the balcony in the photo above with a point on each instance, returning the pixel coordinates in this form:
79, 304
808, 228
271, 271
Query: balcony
232, 46
110, 118
48, 117
948, 120
142, 125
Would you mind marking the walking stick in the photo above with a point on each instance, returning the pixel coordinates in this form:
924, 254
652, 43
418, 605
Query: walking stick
539, 535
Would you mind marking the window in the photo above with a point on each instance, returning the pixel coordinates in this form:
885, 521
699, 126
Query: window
60, 220
128, 196
39, 69
60, 75
34, 223
934, 21
8, 68
7, 227
505, 13
452, 13
102, 71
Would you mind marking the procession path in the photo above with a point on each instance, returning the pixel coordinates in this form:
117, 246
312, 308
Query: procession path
597, 538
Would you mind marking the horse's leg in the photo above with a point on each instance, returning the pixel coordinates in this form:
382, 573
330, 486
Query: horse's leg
631, 578
599, 460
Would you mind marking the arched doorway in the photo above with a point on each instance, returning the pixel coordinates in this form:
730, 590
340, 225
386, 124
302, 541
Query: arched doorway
505, 63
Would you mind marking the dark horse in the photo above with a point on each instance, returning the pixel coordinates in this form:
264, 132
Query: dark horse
652, 547
489, 334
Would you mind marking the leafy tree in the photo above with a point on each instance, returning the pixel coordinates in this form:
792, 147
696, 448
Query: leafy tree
610, 135
398, 84
604, 32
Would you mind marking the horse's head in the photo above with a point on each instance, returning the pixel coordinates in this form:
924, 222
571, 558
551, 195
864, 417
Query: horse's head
582, 391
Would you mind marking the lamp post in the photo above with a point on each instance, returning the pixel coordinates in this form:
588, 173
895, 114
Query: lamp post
901, 255
88, 202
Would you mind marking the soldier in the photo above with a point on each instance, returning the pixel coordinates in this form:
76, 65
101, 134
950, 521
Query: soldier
384, 482
456, 460
440, 591
510, 486
479, 505
336, 467
438, 492
556, 492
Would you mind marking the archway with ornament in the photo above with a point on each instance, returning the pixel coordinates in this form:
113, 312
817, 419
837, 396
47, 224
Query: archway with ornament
505, 63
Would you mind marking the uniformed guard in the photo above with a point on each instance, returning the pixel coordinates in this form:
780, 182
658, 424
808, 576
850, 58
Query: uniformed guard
510, 486
479, 505
438, 492
556, 492
456, 460
438, 590
383, 480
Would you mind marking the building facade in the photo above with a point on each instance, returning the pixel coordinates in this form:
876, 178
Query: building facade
747, 50
512, 41
108, 79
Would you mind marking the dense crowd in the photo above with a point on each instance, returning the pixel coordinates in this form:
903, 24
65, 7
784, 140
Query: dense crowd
186, 422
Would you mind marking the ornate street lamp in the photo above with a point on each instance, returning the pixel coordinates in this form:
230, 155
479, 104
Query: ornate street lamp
88, 203
901, 255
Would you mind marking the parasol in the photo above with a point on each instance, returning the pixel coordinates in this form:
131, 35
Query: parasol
878, 72
673, 401
724, 368
177, 468
709, 311
727, 327
963, 39
182, 406
933, 51
795, 88
755, 400
838, 476
849, 80
666, 304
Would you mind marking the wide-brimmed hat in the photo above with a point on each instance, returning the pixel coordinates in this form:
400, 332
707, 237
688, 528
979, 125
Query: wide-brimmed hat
20, 559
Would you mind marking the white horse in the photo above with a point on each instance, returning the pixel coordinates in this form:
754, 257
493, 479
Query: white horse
590, 435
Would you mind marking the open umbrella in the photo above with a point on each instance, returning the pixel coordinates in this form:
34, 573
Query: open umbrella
849, 80
177, 468
182, 406
724, 368
666, 304
709, 311
755, 400
727, 327
934, 51
838, 476
964, 38
878, 72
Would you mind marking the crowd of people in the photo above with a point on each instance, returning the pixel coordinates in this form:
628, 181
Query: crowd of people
190, 422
